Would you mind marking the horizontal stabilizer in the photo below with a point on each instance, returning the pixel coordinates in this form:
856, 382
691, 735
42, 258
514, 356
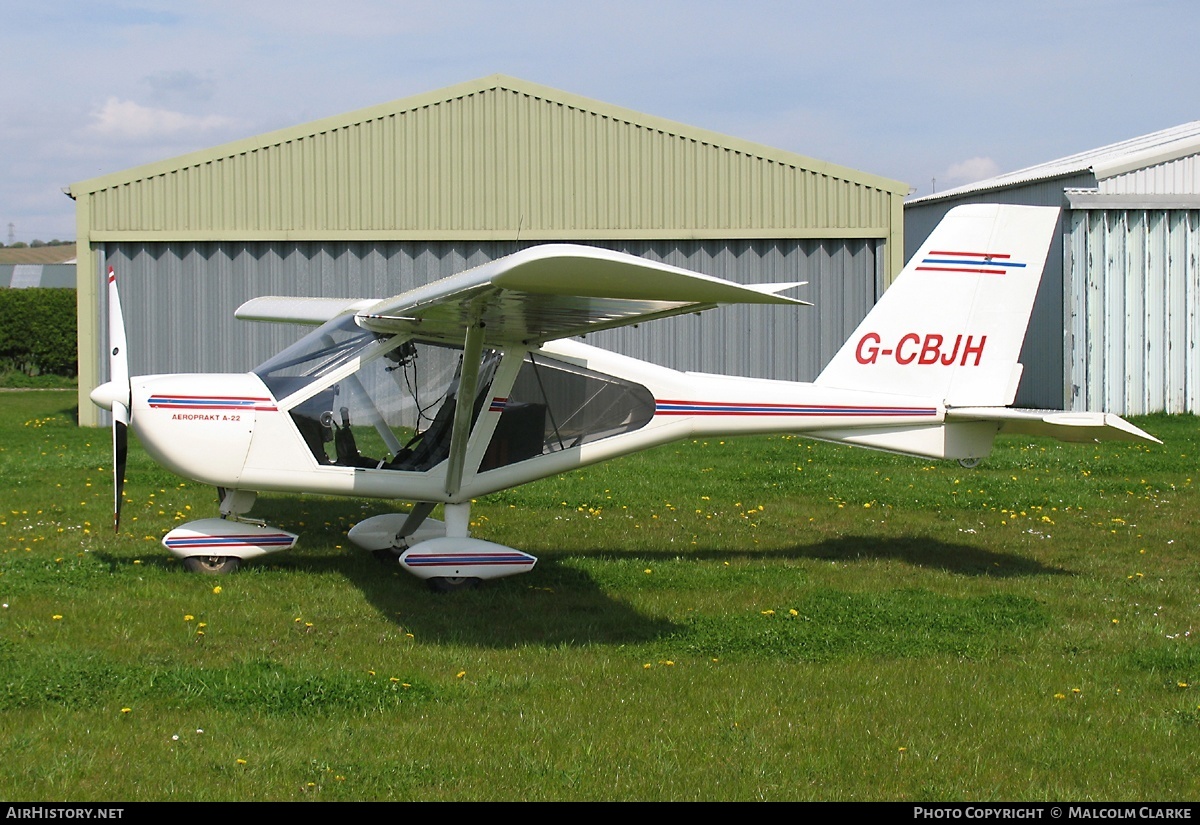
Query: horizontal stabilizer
1064, 426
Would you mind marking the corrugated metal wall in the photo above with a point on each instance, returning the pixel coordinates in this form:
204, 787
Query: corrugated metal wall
1134, 286
179, 298
1176, 177
490, 164
1042, 382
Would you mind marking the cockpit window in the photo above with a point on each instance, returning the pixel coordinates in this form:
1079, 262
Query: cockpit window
321, 351
394, 412
554, 406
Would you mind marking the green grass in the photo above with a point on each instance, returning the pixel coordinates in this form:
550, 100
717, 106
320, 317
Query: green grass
753, 618
19, 380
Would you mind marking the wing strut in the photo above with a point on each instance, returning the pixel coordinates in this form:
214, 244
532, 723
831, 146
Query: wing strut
463, 410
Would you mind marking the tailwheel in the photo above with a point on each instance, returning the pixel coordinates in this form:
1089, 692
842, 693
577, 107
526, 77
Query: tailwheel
450, 584
212, 565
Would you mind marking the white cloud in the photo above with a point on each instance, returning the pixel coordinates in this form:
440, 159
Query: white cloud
968, 171
128, 120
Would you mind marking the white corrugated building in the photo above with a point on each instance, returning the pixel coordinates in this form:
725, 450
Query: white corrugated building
1117, 321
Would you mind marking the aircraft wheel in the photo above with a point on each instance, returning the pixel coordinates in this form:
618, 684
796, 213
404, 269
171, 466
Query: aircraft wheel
449, 584
969, 463
212, 565
388, 555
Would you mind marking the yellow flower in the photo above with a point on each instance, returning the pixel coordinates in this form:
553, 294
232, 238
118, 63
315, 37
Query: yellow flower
241, 761
56, 616
217, 589
460, 674
793, 612
126, 710
188, 617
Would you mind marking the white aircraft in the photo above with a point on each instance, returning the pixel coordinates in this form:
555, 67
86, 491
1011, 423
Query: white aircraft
469, 385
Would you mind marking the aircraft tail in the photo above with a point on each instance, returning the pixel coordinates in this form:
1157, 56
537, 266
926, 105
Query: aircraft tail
950, 330
951, 326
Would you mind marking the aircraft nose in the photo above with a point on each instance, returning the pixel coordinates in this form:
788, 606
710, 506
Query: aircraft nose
106, 394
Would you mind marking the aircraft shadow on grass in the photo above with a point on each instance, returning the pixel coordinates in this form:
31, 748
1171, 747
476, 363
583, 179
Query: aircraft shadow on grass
561, 604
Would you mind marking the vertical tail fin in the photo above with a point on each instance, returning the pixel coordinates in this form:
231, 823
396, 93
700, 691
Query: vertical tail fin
951, 326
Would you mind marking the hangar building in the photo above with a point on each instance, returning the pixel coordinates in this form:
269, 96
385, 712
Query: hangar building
1116, 325
379, 201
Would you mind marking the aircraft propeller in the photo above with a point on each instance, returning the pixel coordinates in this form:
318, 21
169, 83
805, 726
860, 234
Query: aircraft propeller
117, 393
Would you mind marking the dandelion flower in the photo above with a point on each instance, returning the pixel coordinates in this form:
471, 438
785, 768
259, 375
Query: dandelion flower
241, 761
56, 617
460, 674
187, 617
217, 589
126, 710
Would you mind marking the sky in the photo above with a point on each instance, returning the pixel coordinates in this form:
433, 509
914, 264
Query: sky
933, 93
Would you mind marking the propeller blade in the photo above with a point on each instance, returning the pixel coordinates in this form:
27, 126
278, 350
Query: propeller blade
120, 451
118, 371
118, 363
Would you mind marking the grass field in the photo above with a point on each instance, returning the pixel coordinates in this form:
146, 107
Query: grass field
753, 618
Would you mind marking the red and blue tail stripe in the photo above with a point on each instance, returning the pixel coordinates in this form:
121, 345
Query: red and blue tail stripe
985, 263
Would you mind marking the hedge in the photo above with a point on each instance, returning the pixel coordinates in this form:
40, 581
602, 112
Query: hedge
38, 333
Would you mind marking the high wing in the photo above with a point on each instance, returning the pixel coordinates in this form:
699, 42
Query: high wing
536, 295
557, 291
